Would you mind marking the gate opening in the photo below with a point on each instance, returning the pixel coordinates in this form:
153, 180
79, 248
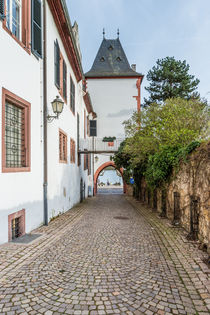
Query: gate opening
109, 180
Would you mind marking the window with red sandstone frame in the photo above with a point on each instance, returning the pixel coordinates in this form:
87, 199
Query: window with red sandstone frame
62, 147
15, 133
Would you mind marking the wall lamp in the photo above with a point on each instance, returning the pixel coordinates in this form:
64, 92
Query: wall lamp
57, 106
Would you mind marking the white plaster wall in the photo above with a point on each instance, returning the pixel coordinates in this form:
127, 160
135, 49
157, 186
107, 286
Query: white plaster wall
21, 74
63, 179
113, 102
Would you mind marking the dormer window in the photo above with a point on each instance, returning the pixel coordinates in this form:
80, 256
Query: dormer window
102, 59
119, 59
110, 47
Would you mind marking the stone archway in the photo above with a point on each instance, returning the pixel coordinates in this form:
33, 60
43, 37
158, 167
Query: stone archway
103, 166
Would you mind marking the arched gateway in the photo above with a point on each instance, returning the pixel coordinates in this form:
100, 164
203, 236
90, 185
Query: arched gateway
103, 166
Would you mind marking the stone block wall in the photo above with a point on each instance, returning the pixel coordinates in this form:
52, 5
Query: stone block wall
187, 195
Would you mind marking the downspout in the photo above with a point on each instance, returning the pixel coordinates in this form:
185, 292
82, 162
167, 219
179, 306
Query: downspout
45, 115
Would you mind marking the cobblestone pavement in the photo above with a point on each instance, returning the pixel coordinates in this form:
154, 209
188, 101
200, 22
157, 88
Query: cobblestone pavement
109, 255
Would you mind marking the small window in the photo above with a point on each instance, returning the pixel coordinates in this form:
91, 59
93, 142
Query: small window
16, 225
62, 147
93, 128
16, 228
72, 95
119, 59
102, 59
110, 47
16, 133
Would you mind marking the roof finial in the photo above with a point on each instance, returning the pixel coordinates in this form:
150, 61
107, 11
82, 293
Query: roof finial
103, 33
118, 33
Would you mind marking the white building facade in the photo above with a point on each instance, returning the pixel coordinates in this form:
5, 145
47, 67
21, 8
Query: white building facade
21, 158
115, 90
68, 172
28, 84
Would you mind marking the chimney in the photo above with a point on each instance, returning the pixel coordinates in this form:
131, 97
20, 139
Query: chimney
133, 67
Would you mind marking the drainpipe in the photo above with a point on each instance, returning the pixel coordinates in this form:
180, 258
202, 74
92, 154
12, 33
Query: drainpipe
45, 115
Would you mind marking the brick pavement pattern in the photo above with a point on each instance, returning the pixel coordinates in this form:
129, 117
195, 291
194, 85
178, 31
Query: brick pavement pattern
109, 255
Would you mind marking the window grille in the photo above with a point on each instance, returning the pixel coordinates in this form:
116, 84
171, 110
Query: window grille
62, 147
15, 136
16, 231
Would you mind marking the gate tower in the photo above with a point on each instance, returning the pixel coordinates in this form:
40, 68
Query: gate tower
115, 90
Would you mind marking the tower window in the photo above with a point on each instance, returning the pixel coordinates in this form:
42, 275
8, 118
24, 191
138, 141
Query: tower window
102, 59
110, 47
119, 59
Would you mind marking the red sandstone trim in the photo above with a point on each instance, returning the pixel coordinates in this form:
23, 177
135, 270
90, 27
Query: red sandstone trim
62, 26
26, 27
15, 215
110, 163
115, 77
26, 107
63, 135
138, 97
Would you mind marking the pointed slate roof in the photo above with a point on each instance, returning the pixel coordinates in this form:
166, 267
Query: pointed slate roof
111, 61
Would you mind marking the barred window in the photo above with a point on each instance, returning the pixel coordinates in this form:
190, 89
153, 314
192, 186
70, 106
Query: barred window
14, 136
16, 131
62, 147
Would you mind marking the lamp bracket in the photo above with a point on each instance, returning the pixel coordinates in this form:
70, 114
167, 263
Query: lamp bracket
50, 118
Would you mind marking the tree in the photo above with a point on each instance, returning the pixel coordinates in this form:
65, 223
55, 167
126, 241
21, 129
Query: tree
176, 123
170, 79
161, 136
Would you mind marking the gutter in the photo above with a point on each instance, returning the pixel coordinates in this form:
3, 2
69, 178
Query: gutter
45, 166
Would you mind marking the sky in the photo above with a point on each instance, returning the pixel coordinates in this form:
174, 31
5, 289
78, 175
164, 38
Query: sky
149, 30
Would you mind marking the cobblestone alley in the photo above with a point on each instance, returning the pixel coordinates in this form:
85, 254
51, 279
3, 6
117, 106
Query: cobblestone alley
109, 255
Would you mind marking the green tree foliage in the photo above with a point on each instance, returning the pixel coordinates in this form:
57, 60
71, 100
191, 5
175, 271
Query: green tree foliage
170, 79
161, 164
122, 160
161, 135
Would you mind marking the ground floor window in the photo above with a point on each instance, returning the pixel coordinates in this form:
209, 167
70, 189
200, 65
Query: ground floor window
16, 133
16, 224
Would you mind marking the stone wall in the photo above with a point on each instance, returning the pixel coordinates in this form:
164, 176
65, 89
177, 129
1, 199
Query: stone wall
187, 196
